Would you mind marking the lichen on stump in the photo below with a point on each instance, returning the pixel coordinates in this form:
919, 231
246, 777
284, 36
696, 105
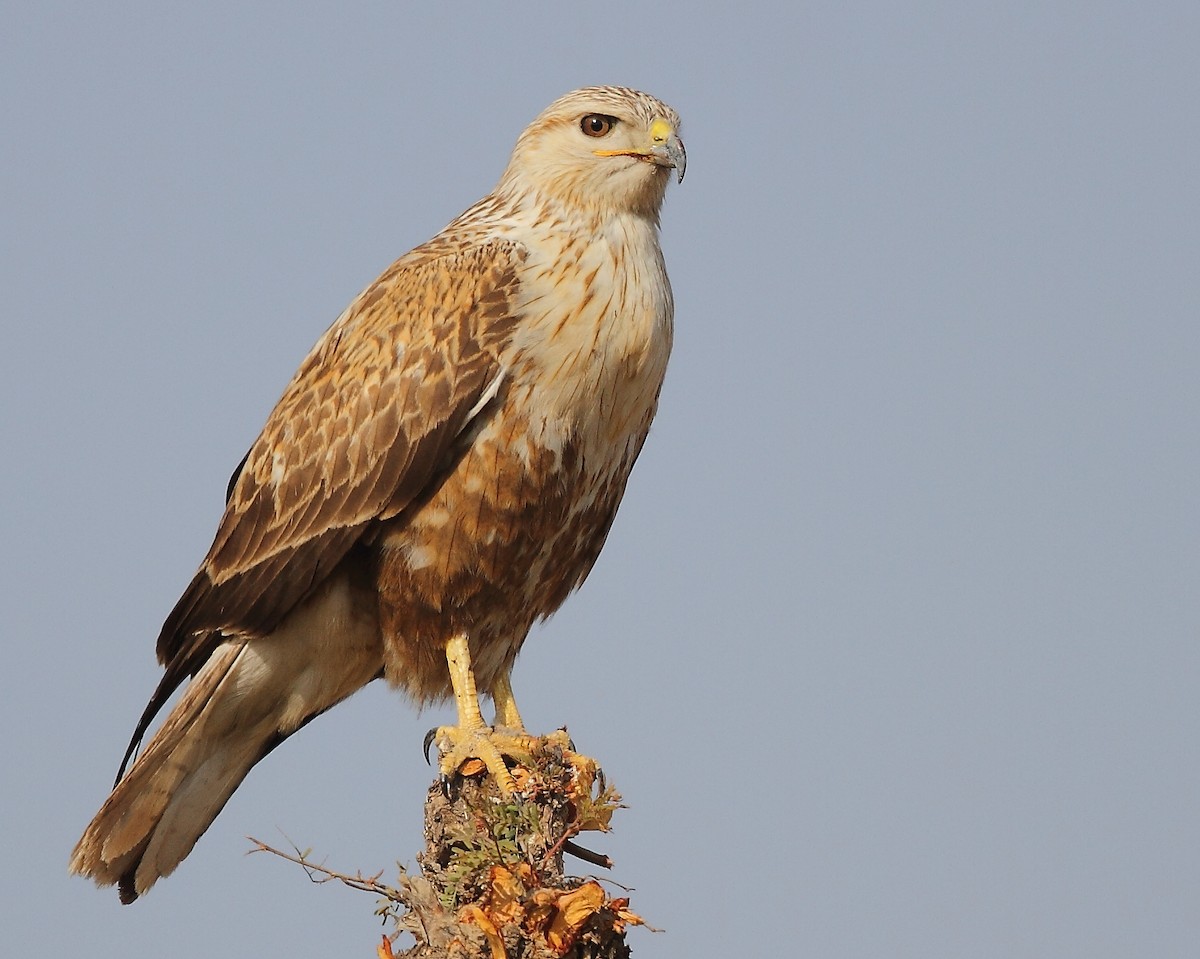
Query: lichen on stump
492, 882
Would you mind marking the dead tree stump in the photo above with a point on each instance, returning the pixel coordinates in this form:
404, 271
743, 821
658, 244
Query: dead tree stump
492, 882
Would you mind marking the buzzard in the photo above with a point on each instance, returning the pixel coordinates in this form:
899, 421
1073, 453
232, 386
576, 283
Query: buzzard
440, 473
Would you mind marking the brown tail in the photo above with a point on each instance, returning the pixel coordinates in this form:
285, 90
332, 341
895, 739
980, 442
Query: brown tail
178, 785
243, 702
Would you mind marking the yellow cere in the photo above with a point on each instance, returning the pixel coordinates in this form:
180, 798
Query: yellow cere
660, 130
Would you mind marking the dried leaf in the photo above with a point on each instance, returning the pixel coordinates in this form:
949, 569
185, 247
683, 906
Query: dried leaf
572, 911
521, 776
476, 915
503, 901
527, 876
539, 911
620, 909
384, 949
597, 818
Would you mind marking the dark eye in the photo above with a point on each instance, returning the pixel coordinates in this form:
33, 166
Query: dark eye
597, 124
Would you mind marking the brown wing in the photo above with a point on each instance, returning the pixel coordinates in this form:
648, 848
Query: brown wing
369, 420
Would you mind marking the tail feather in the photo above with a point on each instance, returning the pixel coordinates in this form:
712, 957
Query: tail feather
243, 701
175, 789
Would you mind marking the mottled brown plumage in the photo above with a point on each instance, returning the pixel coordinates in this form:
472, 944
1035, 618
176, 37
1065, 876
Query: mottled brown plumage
443, 469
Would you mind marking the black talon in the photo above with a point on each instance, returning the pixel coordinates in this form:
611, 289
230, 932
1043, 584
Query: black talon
429, 737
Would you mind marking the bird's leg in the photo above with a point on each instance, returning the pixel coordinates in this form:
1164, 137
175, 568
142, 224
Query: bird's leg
506, 706
462, 678
508, 718
472, 738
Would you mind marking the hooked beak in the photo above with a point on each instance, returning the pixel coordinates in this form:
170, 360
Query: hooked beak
668, 148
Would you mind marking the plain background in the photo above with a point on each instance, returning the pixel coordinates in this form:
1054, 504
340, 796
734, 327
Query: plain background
893, 649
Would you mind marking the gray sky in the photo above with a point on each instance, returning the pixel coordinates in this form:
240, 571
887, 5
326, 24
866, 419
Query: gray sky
893, 649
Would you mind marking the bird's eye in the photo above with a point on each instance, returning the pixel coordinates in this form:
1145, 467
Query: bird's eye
597, 124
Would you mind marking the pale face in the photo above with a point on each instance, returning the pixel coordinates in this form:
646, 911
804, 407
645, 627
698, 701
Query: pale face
603, 148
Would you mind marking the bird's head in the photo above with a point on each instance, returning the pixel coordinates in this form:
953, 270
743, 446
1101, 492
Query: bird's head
610, 149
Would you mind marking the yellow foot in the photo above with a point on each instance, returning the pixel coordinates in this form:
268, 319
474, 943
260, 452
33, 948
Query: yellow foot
458, 745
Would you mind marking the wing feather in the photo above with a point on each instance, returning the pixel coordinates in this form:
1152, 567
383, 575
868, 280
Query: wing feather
373, 415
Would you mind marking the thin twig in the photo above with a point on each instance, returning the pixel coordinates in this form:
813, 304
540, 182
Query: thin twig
357, 881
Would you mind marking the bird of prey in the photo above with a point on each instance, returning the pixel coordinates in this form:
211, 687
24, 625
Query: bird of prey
441, 472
